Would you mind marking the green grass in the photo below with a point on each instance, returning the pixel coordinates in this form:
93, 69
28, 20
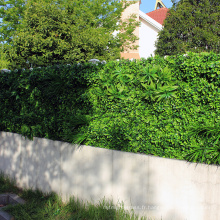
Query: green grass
49, 206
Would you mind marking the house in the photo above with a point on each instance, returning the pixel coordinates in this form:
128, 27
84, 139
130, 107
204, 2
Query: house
150, 24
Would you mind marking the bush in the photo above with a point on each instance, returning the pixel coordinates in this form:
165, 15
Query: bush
45, 102
165, 107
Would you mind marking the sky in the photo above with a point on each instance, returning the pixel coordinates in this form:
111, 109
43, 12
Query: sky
148, 5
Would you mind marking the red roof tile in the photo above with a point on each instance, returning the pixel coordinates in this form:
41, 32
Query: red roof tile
158, 15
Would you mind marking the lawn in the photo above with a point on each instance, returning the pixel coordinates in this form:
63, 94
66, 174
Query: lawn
49, 206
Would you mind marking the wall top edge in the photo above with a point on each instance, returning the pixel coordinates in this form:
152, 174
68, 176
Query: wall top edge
5, 135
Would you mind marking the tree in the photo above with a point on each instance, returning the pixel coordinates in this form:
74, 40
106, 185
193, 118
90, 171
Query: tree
191, 25
11, 14
67, 31
3, 60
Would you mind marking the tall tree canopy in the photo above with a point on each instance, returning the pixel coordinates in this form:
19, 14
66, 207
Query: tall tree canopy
11, 14
66, 31
191, 25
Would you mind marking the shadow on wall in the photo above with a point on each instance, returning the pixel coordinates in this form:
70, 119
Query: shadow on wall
85, 172
10, 154
89, 173
34, 164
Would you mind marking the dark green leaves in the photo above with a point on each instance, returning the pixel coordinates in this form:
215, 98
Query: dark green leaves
191, 25
165, 107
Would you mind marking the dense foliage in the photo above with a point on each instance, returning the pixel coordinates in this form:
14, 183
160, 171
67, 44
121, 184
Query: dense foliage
3, 59
11, 14
45, 101
168, 107
63, 32
191, 25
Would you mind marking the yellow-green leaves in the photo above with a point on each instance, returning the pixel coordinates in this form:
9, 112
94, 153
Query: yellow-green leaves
165, 107
57, 32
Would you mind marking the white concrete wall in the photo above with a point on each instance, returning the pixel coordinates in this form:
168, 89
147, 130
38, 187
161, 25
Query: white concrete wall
148, 36
152, 186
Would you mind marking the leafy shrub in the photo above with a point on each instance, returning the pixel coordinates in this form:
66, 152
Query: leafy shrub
167, 107
43, 102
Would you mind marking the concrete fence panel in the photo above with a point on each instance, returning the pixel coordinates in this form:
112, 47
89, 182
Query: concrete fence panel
155, 187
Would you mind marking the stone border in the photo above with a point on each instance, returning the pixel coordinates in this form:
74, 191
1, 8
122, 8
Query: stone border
9, 199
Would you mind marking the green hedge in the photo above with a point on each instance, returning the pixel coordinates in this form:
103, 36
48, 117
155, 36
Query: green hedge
167, 107
45, 102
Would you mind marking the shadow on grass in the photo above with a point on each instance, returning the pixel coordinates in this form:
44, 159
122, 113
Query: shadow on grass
40, 205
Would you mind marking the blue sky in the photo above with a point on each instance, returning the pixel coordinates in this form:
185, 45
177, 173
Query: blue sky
148, 5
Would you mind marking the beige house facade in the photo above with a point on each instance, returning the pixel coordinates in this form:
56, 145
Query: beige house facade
150, 25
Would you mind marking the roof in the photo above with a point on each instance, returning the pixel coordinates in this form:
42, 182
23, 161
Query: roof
150, 20
159, 15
